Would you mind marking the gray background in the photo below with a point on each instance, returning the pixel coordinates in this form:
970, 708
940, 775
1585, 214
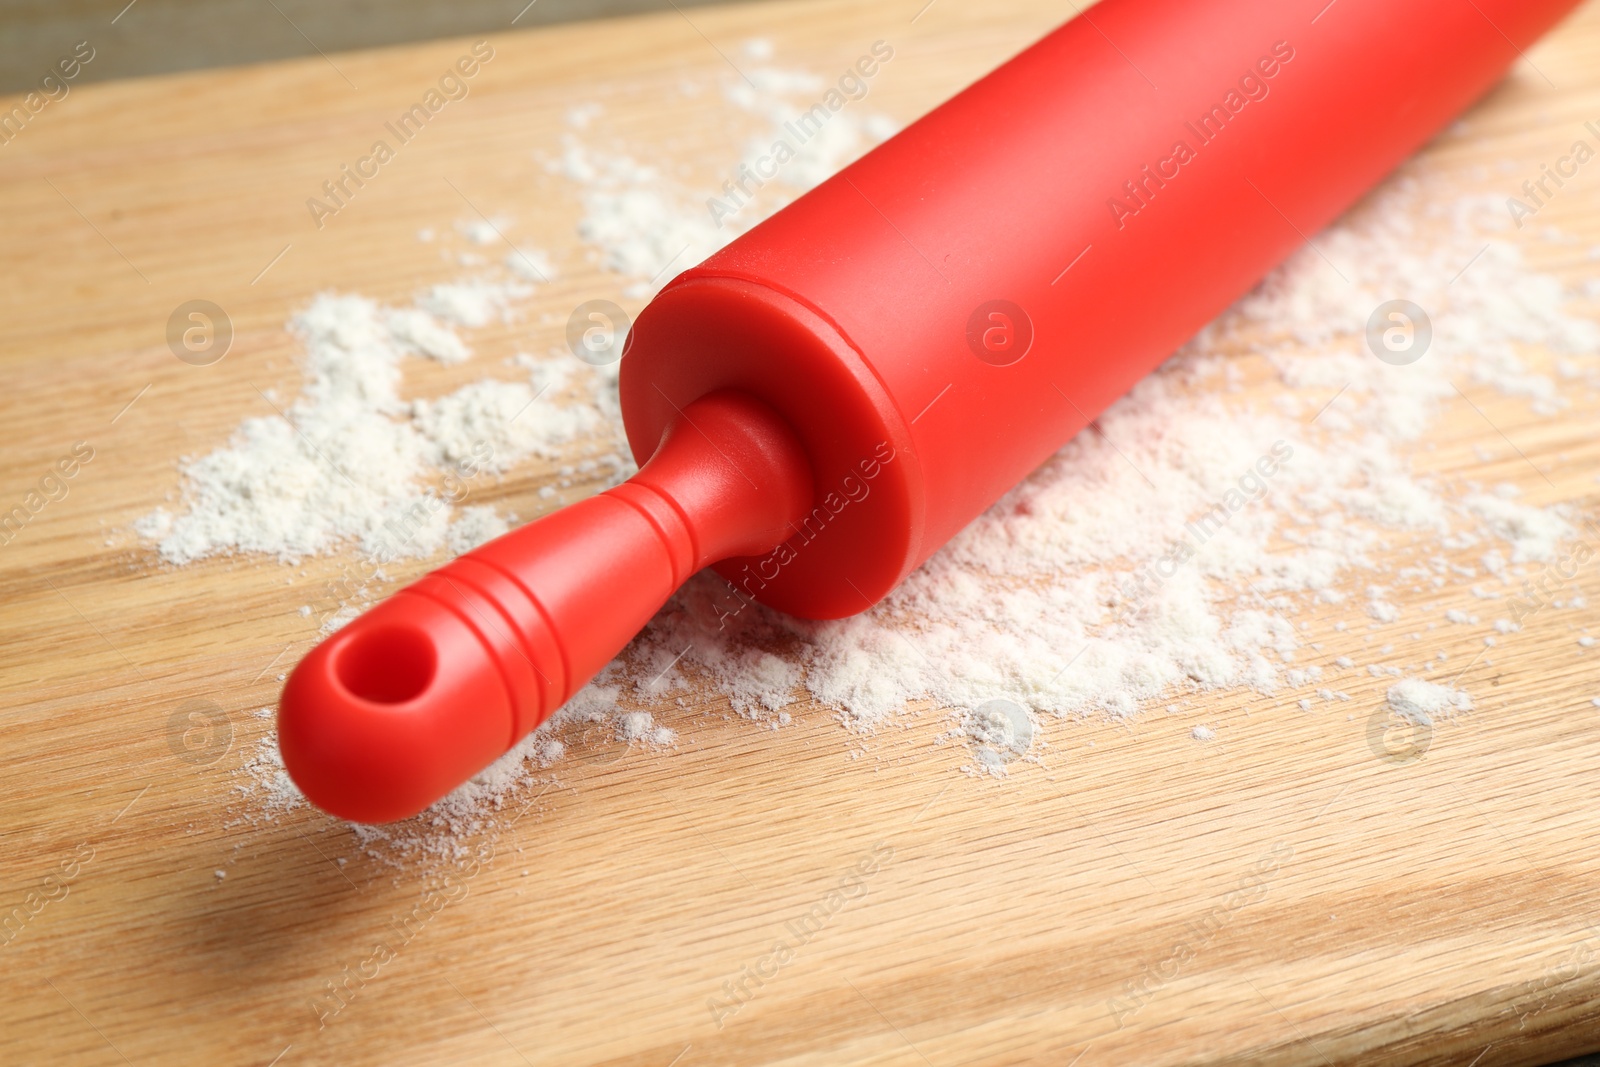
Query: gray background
159, 36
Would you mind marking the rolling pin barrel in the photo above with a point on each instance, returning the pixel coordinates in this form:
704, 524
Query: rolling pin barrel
972, 292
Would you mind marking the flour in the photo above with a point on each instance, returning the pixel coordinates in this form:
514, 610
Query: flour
1055, 599
420, 331
477, 525
649, 226
350, 461
483, 231
1533, 533
336, 466
514, 419
780, 97
532, 264
643, 223
264, 780
640, 727
476, 302
1035, 601
1420, 701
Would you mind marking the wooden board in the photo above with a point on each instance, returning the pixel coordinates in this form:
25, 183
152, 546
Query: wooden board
1336, 907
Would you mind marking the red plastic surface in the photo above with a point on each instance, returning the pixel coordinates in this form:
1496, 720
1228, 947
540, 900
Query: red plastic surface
920, 331
426, 689
1005, 193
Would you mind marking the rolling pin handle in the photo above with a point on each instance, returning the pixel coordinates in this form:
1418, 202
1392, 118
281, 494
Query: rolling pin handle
434, 683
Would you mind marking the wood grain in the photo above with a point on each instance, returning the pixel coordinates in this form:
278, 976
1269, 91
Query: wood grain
1335, 907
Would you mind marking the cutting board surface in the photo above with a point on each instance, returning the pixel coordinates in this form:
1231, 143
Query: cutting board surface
1430, 911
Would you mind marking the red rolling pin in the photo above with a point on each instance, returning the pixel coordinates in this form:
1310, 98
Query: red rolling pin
822, 404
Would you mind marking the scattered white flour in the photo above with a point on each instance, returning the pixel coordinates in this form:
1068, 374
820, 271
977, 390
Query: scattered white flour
264, 780
1420, 701
511, 417
336, 466
481, 231
477, 525
351, 462
1383, 611
998, 733
640, 726
532, 264
1147, 560
649, 227
475, 302
645, 226
1533, 533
